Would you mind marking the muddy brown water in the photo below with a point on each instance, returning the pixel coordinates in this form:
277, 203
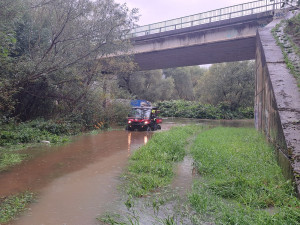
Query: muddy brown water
76, 182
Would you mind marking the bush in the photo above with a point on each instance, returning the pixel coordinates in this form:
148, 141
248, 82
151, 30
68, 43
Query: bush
188, 109
35, 131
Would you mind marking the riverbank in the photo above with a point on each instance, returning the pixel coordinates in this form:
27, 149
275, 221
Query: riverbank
239, 182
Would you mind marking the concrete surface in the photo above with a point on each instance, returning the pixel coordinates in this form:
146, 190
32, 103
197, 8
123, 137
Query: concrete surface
277, 103
222, 41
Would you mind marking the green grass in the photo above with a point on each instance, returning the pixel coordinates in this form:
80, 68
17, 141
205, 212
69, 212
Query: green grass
152, 165
10, 159
241, 180
11, 206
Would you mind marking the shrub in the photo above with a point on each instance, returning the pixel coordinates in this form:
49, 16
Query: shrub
189, 109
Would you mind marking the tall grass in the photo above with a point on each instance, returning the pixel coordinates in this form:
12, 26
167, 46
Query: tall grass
152, 165
242, 183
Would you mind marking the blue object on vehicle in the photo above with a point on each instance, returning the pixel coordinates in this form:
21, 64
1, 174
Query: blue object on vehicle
139, 103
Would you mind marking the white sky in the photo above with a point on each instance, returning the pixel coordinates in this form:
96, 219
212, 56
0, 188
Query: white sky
152, 11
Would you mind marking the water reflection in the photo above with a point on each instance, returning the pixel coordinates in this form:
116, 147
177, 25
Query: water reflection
145, 139
135, 139
129, 143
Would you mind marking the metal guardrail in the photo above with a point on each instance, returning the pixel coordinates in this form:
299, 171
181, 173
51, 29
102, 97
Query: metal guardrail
207, 17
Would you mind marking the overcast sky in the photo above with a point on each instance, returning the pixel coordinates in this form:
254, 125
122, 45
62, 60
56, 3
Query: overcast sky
152, 11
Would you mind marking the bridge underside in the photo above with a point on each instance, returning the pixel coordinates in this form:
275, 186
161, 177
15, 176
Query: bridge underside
223, 41
225, 51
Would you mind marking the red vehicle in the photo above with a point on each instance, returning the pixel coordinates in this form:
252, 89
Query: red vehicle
143, 118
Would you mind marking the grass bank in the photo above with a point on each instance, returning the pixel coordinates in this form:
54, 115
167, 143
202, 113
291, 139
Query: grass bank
152, 165
13, 205
241, 182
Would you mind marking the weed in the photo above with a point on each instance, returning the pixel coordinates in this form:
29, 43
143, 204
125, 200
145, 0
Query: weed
13, 205
292, 48
241, 179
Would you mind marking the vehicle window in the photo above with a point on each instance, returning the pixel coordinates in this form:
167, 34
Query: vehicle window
140, 113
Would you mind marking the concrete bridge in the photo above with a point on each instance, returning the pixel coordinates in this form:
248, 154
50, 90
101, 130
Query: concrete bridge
222, 35
235, 33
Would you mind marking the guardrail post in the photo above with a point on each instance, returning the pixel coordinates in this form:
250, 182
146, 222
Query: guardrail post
228, 13
242, 9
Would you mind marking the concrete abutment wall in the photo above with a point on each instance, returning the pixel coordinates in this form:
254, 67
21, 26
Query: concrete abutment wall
277, 103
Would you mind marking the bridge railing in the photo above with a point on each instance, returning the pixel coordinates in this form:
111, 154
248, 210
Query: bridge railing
207, 17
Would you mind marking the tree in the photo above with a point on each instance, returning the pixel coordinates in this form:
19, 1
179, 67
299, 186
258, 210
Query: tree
59, 44
183, 82
196, 73
229, 83
10, 12
151, 85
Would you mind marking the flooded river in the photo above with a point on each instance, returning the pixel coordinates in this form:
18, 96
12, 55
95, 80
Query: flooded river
77, 181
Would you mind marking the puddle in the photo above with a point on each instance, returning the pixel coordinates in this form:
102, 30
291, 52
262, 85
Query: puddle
184, 176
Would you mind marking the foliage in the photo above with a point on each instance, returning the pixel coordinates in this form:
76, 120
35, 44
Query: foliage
183, 81
232, 83
293, 26
241, 180
152, 165
160, 85
50, 64
35, 131
13, 205
9, 14
151, 85
189, 109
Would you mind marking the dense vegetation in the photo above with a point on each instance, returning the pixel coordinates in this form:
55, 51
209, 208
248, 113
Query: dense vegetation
230, 83
192, 109
49, 58
50, 66
241, 181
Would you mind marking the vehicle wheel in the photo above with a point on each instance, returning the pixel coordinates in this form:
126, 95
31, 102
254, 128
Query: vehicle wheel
158, 127
148, 128
127, 128
155, 127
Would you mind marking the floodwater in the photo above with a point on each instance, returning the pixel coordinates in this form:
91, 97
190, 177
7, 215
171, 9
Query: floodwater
76, 182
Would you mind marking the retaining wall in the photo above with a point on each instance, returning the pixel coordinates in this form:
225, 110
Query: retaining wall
277, 103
